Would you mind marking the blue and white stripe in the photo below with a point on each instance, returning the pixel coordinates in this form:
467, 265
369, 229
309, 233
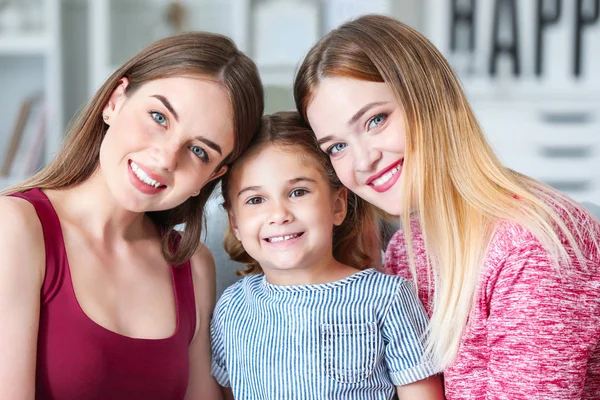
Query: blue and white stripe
356, 338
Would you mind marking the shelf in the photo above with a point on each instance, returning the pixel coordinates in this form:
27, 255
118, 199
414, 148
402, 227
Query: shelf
24, 45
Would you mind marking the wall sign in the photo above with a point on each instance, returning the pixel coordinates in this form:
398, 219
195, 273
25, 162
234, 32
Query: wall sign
514, 21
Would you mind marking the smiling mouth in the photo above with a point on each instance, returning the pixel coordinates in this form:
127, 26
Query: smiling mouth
143, 177
279, 239
387, 176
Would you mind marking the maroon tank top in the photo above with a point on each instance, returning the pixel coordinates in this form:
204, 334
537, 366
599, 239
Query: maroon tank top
79, 359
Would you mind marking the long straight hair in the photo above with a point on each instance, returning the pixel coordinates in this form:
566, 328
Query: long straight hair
190, 54
355, 241
454, 185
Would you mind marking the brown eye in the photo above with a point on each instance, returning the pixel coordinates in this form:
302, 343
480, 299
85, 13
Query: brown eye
298, 192
255, 200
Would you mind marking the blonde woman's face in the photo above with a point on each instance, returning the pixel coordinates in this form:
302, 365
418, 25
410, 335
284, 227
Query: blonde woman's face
165, 141
360, 125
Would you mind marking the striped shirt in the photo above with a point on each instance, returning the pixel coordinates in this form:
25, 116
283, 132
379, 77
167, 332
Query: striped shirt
356, 338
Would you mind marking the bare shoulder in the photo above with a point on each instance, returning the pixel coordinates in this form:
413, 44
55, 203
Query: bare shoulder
21, 241
204, 277
203, 268
203, 261
21, 235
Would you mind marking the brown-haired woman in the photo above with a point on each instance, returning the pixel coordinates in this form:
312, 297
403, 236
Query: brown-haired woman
508, 268
312, 318
100, 297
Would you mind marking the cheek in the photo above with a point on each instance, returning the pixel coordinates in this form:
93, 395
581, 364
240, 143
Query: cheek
345, 171
247, 220
109, 147
192, 170
395, 137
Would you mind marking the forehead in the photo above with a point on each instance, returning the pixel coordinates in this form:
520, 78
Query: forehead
274, 165
202, 105
337, 99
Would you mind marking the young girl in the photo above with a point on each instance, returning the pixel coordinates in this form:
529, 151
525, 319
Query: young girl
100, 297
508, 267
309, 321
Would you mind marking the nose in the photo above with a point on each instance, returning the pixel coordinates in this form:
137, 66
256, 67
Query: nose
365, 157
280, 214
166, 156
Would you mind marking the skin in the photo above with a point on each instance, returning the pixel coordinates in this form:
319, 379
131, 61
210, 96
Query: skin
362, 128
360, 125
275, 193
120, 278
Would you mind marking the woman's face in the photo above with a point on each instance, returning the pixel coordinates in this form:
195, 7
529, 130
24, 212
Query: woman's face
360, 125
165, 141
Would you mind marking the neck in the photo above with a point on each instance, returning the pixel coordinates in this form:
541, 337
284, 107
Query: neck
93, 208
327, 271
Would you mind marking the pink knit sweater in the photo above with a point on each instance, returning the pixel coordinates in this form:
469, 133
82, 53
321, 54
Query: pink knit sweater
531, 334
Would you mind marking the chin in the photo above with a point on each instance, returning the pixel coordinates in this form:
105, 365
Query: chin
286, 265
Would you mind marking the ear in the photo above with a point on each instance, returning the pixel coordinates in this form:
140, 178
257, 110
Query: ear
340, 205
218, 174
233, 224
115, 101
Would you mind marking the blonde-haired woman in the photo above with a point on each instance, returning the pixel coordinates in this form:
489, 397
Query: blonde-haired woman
100, 297
508, 268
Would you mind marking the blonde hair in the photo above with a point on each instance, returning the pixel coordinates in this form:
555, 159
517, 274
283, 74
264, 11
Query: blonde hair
455, 186
196, 54
355, 241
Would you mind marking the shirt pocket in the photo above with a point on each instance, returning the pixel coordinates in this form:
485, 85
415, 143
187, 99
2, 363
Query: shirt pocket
349, 351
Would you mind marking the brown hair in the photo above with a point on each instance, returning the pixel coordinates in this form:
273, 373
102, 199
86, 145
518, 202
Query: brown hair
355, 241
456, 189
196, 54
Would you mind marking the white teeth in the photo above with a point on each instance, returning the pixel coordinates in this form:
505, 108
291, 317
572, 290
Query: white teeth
142, 176
282, 238
386, 177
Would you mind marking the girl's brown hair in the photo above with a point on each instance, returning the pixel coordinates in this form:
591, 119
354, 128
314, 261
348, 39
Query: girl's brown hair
190, 54
355, 241
456, 189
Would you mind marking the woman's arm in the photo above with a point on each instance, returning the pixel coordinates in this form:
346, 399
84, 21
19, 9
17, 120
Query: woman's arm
542, 327
22, 258
201, 384
426, 389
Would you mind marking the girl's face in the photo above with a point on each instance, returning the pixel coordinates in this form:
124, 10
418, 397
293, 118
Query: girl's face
360, 125
165, 141
283, 210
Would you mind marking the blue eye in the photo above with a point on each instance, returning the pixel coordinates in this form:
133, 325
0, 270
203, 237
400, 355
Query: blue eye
336, 148
199, 152
158, 117
254, 200
376, 121
298, 192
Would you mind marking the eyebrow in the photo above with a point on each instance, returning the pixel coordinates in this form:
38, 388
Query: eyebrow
167, 105
291, 181
210, 144
354, 118
364, 110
